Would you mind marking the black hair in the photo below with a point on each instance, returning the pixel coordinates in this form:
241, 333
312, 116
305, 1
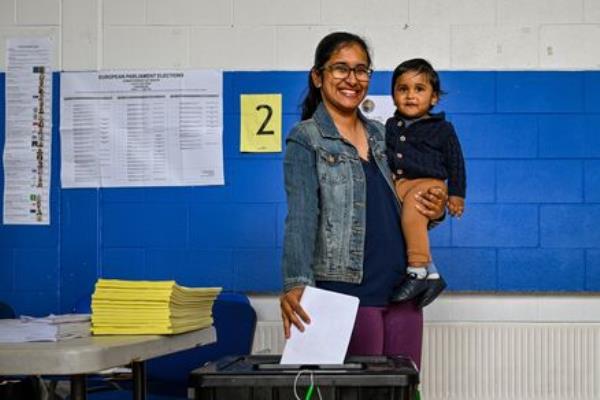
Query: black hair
419, 66
325, 49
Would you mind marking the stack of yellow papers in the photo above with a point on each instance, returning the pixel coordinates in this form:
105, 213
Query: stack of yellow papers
122, 307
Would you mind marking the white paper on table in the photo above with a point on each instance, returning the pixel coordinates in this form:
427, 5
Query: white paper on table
325, 340
53, 319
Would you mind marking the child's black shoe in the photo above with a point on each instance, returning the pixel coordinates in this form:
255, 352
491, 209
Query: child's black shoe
411, 287
434, 288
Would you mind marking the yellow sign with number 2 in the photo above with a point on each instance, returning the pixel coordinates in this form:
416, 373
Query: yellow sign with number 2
260, 127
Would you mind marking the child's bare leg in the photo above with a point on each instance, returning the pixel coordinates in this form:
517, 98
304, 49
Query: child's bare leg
414, 224
414, 227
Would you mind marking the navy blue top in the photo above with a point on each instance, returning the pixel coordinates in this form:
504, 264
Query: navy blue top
385, 257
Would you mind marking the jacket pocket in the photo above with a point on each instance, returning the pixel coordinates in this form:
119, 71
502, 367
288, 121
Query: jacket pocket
333, 168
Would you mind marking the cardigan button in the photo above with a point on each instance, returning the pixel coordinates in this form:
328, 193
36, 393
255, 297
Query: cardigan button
399, 155
399, 172
402, 138
400, 124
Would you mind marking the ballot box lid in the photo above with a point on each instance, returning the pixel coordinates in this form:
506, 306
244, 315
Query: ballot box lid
265, 370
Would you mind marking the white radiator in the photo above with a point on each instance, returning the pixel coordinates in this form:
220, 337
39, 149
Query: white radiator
497, 361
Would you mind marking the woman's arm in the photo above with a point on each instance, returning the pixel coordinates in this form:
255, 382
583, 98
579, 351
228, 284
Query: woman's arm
301, 186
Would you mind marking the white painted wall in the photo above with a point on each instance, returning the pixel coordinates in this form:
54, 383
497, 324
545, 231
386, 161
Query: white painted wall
282, 34
484, 308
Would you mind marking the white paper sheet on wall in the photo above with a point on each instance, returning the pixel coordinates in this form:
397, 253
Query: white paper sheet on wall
141, 128
28, 138
325, 340
379, 108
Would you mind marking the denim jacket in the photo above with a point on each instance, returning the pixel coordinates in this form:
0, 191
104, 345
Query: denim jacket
326, 193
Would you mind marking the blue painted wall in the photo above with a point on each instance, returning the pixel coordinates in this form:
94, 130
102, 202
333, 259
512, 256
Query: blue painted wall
532, 143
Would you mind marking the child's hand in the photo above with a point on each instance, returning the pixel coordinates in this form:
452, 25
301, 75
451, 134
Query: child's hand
456, 206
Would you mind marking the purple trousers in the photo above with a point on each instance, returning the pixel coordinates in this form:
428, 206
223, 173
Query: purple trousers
391, 331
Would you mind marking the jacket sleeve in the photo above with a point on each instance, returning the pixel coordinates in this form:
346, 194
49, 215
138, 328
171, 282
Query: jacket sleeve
457, 178
301, 186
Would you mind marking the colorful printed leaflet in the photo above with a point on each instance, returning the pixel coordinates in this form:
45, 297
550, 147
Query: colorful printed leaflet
150, 307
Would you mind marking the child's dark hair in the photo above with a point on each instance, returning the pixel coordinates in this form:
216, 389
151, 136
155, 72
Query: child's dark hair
325, 49
419, 66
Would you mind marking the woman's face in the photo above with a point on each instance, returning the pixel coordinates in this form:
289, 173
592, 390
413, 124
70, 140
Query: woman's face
343, 95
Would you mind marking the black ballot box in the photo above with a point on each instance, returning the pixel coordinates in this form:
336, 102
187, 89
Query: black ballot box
261, 377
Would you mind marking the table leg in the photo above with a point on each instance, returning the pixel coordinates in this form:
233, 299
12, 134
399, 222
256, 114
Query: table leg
78, 387
205, 393
139, 380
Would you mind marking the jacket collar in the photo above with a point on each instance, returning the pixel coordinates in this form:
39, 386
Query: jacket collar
441, 116
328, 129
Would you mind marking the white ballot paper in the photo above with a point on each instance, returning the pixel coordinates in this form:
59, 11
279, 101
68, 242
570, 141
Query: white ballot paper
325, 340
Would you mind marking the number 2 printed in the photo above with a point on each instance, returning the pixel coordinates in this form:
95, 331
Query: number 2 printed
262, 130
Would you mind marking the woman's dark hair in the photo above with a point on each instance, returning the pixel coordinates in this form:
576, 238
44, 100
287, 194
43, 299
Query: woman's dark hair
419, 66
325, 49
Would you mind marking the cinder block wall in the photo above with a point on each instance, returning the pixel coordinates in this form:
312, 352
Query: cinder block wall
281, 34
531, 136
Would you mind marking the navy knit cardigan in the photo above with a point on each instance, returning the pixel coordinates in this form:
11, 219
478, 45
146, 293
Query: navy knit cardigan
427, 148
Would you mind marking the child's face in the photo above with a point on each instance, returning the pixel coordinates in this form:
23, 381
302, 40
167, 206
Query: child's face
413, 94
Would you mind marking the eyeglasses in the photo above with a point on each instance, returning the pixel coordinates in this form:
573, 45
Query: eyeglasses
342, 71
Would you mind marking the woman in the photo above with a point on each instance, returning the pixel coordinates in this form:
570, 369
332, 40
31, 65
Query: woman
342, 231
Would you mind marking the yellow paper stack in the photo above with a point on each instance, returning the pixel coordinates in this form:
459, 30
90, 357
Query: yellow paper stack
121, 307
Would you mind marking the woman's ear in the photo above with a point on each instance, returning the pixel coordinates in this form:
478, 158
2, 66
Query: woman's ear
316, 78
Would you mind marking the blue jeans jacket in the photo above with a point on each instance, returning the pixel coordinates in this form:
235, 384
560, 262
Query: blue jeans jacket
326, 194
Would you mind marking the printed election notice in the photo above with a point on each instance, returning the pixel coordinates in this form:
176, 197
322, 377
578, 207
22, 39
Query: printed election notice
28, 139
141, 128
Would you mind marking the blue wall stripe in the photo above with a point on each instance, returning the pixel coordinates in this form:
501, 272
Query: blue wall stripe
533, 159
540, 92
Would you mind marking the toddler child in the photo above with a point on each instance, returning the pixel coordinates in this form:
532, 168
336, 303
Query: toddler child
423, 151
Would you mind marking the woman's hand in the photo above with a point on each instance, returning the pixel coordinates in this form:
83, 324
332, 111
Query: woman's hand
291, 310
432, 203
